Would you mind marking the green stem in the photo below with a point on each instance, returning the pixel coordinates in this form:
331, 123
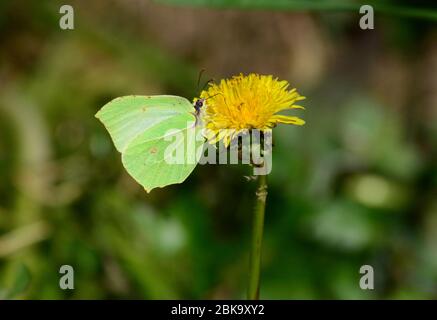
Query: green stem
257, 237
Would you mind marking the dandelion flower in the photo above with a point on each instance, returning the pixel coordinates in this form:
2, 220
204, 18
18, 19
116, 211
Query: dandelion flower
247, 102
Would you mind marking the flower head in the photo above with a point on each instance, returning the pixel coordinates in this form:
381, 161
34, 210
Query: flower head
247, 102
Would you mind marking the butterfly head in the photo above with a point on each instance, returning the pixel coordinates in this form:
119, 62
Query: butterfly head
198, 104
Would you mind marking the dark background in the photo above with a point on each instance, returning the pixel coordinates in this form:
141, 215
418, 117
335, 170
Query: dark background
356, 185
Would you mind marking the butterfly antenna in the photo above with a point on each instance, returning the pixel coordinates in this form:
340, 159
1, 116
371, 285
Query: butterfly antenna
199, 78
207, 83
214, 95
224, 98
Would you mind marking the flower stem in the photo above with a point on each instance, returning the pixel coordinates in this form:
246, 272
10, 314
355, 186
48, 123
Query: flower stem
257, 237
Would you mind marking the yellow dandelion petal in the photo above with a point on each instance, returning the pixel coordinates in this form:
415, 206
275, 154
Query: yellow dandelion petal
220, 135
209, 134
286, 119
247, 102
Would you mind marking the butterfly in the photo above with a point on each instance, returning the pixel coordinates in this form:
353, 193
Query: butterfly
144, 129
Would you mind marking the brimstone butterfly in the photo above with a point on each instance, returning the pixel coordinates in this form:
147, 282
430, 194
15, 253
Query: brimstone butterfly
143, 128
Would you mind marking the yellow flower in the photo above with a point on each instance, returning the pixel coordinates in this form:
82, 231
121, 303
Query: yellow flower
247, 102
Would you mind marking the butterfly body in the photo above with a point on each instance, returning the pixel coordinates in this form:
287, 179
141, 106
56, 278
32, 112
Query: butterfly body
198, 105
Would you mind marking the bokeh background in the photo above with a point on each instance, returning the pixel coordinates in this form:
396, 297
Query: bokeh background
356, 185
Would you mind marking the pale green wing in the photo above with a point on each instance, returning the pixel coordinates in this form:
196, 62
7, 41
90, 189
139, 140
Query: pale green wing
165, 154
127, 117
156, 136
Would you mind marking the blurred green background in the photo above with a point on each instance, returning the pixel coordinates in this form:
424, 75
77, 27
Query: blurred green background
356, 185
